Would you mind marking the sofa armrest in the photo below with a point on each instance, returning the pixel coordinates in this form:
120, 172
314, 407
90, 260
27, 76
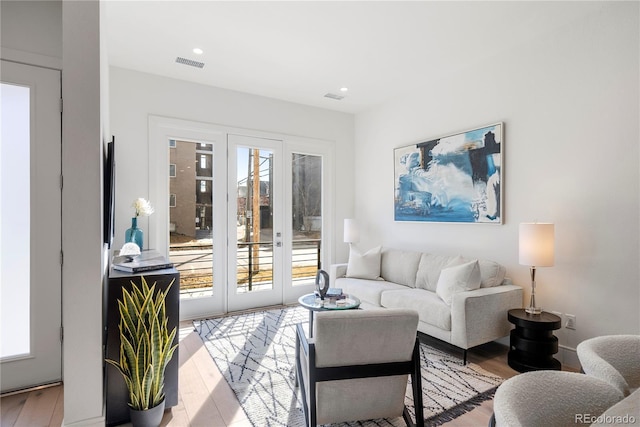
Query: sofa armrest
337, 271
480, 316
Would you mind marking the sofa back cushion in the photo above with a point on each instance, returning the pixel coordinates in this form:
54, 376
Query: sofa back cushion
400, 266
430, 267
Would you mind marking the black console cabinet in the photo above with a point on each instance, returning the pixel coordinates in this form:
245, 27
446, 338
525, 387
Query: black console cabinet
117, 410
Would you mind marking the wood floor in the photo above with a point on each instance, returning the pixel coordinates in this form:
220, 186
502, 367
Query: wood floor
205, 398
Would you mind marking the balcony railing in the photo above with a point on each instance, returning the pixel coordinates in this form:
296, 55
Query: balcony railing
254, 264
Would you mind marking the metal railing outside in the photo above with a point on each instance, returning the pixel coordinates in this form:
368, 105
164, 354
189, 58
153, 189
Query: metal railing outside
195, 264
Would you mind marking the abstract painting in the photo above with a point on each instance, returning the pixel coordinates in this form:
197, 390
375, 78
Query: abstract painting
456, 178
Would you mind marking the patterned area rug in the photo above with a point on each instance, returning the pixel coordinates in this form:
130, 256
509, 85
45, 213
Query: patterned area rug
256, 354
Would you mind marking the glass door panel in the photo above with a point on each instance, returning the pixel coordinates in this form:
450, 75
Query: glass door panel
191, 216
306, 219
254, 223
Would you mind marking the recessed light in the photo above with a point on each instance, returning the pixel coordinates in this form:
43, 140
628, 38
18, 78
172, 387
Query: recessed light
198, 51
344, 89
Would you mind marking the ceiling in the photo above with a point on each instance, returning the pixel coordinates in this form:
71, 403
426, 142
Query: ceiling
299, 51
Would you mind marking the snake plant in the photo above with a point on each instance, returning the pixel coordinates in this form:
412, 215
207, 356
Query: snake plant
145, 344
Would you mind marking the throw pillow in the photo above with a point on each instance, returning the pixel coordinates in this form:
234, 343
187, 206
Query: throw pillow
460, 278
491, 273
364, 266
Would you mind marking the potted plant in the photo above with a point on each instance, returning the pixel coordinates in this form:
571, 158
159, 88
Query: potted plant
145, 350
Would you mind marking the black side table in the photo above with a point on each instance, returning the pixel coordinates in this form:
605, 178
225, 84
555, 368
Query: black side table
532, 341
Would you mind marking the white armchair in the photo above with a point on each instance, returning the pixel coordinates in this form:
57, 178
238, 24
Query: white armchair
357, 366
551, 399
614, 359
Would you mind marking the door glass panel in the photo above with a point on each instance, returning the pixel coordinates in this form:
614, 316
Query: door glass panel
191, 216
254, 232
307, 217
15, 221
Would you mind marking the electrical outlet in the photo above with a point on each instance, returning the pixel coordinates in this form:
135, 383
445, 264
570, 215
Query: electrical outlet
571, 321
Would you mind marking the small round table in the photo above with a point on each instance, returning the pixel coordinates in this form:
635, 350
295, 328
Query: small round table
532, 343
313, 304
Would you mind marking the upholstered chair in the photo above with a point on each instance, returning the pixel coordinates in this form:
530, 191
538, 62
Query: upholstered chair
614, 359
551, 399
357, 366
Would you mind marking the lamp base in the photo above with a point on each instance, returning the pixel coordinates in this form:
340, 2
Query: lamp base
533, 310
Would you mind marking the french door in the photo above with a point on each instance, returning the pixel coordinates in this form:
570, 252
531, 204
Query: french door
255, 222
30, 226
244, 226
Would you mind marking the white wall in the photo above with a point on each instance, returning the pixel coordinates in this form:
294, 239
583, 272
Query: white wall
569, 102
31, 32
82, 215
136, 95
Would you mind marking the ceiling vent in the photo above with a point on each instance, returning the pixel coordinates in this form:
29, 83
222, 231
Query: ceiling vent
189, 62
334, 96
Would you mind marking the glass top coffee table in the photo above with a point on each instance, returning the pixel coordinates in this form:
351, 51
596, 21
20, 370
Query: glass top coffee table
313, 303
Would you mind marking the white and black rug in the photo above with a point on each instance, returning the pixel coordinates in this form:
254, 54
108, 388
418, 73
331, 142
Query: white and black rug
256, 354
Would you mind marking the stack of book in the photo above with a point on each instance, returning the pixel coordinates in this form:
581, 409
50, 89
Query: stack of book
146, 261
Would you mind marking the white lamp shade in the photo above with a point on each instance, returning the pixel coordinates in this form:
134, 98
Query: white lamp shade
537, 244
351, 231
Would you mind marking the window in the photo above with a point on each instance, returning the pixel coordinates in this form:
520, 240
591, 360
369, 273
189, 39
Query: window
203, 186
172, 143
172, 170
203, 161
172, 200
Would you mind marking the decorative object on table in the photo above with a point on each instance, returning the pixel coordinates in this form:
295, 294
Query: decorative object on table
256, 354
134, 234
351, 231
146, 347
536, 249
456, 178
130, 251
322, 283
144, 261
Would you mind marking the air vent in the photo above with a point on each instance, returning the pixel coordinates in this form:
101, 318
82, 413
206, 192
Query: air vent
189, 62
334, 96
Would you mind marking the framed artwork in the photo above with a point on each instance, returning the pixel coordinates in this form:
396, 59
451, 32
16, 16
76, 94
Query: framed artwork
455, 178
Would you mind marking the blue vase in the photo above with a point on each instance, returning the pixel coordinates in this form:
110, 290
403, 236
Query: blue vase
134, 234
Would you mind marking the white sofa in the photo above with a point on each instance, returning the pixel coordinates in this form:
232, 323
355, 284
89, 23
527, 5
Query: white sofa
410, 279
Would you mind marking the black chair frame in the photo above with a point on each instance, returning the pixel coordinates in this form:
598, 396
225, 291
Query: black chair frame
316, 375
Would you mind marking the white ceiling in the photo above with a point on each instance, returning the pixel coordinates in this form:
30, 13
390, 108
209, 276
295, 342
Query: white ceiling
300, 50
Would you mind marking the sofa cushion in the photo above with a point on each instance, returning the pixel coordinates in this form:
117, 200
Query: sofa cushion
429, 269
460, 278
400, 266
364, 266
431, 309
368, 291
491, 273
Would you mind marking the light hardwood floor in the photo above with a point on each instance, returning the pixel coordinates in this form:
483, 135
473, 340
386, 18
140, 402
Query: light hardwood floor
205, 398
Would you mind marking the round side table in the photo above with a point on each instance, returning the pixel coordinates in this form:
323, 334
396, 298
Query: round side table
313, 304
532, 343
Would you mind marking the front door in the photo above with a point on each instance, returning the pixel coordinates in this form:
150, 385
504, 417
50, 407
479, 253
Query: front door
30, 226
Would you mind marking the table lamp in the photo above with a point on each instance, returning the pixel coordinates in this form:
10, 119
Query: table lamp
351, 231
536, 250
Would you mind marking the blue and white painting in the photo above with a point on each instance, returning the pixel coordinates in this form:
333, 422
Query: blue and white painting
456, 178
